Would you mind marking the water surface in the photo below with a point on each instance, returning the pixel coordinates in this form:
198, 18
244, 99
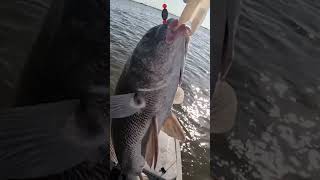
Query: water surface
277, 80
129, 22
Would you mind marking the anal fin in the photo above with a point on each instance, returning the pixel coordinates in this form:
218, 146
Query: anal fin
151, 156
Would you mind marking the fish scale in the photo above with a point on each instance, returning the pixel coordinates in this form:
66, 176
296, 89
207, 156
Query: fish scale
140, 121
153, 72
137, 120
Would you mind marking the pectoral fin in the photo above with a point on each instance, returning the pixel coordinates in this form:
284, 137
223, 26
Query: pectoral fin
125, 105
32, 142
224, 108
179, 97
173, 128
152, 144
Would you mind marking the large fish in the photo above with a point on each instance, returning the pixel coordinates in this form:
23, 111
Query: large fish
146, 90
53, 86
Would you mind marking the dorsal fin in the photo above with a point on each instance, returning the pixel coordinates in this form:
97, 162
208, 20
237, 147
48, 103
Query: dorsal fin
224, 108
173, 128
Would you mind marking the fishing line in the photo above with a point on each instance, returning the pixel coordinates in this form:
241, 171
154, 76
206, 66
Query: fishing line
175, 145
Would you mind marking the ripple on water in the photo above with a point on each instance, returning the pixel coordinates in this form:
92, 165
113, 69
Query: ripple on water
128, 23
277, 130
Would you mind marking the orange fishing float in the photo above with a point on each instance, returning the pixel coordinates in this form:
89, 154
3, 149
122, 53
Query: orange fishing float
164, 13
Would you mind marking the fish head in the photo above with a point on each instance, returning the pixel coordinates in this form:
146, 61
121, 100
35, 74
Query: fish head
161, 52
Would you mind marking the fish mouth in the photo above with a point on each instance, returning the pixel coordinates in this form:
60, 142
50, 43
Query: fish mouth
175, 30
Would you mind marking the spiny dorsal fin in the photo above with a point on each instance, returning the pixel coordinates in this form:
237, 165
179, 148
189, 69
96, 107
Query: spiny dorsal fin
152, 144
179, 97
173, 128
224, 108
